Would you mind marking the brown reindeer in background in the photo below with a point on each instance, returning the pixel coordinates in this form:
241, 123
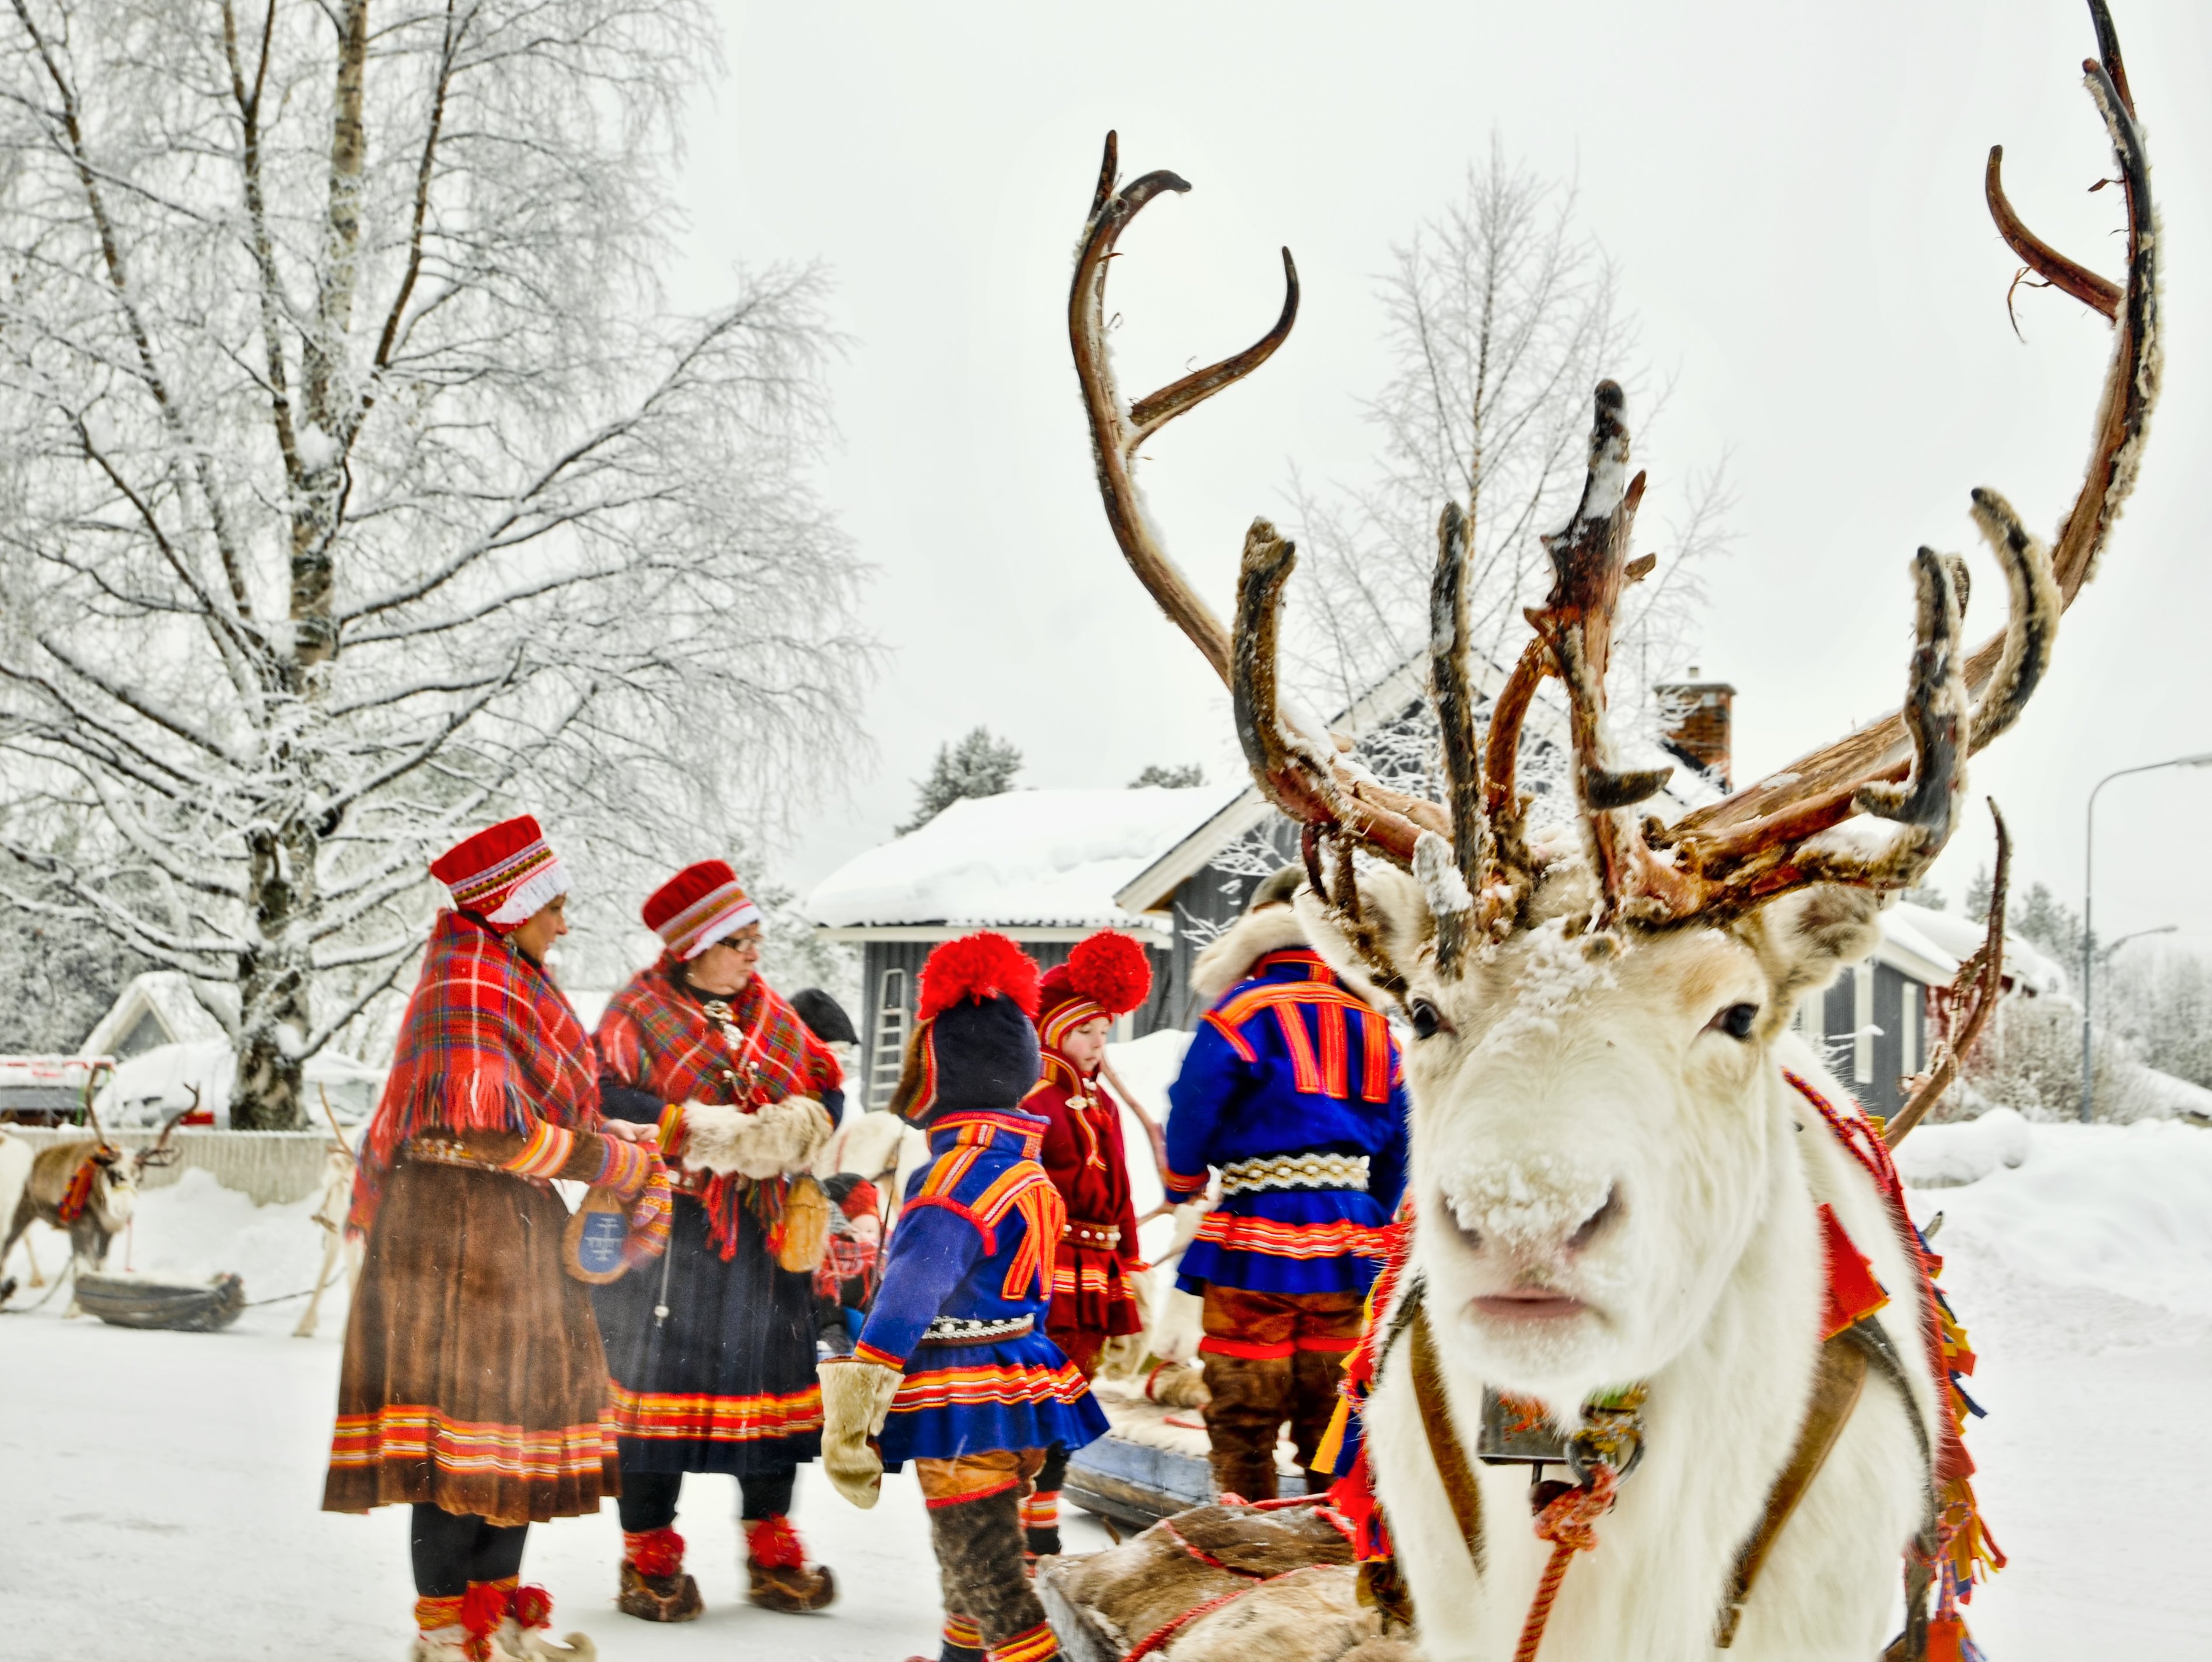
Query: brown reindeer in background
88, 1188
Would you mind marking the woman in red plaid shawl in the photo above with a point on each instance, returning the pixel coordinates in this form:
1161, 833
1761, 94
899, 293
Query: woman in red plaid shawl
473, 1386
712, 1356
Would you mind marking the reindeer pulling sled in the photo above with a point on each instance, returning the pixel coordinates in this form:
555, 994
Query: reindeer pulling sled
1645, 1226
87, 1189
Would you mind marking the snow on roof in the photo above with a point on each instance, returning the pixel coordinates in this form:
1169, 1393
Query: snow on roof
1036, 859
1945, 941
169, 995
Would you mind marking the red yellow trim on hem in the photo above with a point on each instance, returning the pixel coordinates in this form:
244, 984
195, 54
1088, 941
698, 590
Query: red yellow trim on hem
694, 1416
1009, 1385
1331, 1239
407, 1433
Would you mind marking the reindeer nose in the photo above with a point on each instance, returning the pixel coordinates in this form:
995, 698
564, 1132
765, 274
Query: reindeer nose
1598, 1222
1505, 1211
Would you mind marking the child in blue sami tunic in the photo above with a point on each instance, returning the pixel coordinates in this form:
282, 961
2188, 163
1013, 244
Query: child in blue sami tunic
953, 1370
1292, 1090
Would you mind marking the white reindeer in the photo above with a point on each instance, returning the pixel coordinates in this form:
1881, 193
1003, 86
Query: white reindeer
1617, 1187
330, 1213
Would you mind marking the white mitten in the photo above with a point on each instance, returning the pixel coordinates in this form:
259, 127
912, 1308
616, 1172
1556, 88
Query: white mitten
784, 1137
856, 1396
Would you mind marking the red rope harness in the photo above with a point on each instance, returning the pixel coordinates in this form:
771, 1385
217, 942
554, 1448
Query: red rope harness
1570, 1524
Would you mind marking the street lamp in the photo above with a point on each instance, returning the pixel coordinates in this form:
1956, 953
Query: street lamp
2203, 759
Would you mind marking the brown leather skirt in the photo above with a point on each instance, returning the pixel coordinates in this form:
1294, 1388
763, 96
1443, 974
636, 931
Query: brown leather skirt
473, 1376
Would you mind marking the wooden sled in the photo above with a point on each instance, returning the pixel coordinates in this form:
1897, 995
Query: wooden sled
206, 1307
1151, 1464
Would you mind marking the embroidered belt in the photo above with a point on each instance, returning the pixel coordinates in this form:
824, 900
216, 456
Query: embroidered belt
1249, 1176
441, 1148
960, 1330
1091, 1234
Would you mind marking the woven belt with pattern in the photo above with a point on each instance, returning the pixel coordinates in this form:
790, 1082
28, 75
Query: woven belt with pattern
1091, 1234
959, 1329
1249, 1176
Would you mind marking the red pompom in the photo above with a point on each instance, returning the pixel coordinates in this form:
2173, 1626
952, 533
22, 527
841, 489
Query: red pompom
1112, 971
654, 1552
484, 1606
979, 967
533, 1606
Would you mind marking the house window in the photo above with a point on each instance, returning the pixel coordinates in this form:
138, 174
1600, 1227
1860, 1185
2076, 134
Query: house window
146, 1033
1862, 1028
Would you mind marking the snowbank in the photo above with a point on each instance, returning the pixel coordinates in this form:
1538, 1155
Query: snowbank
1945, 1156
1042, 858
2123, 1210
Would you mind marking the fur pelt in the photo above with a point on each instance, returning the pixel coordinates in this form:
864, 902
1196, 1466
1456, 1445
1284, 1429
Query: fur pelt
784, 1137
1102, 1604
1250, 939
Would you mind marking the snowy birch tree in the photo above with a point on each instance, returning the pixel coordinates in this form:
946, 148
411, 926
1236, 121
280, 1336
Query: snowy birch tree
356, 487
1503, 314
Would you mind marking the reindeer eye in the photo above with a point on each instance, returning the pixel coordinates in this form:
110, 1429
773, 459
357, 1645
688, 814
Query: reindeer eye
1737, 1020
1428, 1020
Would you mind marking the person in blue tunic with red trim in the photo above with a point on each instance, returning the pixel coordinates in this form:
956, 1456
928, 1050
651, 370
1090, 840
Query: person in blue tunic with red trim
1293, 1090
953, 1370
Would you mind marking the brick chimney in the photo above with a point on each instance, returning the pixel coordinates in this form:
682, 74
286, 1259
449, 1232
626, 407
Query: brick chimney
1700, 735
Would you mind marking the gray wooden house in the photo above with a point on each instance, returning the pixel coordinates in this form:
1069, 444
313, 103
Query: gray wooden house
1175, 868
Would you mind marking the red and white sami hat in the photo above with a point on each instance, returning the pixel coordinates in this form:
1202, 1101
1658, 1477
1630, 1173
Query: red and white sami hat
506, 873
697, 907
1107, 975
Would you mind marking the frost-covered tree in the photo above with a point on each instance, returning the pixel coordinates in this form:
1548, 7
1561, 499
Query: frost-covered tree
1504, 313
980, 764
56, 981
1180, 777
356, 487
2041, 918
2159, 1005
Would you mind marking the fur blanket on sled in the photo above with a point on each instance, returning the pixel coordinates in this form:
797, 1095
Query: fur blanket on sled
1281, 1585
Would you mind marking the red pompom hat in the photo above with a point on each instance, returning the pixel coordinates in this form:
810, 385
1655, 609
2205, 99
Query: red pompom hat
973, 1045
505, 874
697, 907
1107, 975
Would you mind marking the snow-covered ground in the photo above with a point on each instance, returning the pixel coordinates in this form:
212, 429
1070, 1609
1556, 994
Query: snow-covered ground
158, 1491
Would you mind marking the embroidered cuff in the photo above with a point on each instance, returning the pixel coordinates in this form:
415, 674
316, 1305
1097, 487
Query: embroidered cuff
545, 1154
672, 1130
624, 1167
864, 1352
1182, 1187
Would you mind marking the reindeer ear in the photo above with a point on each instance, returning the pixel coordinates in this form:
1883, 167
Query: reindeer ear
1803, 940
1391, 906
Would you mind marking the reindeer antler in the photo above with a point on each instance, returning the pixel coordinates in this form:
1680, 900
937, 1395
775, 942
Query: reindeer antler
1295, 762
1727, 839
1784, 832
1787, 831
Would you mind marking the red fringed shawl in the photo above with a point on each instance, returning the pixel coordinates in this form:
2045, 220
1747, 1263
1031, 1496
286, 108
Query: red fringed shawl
656, 1036
488, 1044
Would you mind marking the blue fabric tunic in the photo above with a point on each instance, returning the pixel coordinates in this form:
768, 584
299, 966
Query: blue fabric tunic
1289, 1061
975, 1244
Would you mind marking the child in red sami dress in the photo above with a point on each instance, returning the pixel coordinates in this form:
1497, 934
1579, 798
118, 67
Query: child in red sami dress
1105, 977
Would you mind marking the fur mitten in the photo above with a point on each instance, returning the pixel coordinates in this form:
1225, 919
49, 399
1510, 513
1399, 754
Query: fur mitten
856, 1396
784, 1137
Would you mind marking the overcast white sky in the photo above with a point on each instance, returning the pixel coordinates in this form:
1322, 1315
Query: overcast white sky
1795, 202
